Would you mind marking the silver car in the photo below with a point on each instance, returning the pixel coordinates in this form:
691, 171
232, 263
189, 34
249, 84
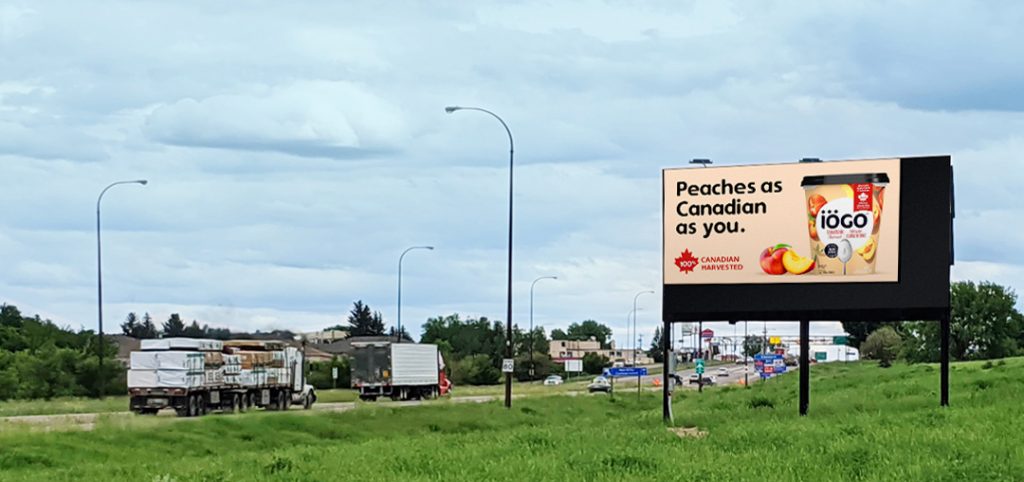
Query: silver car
600, 384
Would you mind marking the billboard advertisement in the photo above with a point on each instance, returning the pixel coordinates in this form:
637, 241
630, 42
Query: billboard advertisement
821, 222
834, 240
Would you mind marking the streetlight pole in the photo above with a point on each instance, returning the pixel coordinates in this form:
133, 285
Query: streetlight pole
531, 319
398, 332
508, 302
99, 276
634, 322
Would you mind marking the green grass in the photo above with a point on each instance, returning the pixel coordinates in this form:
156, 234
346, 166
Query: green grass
865, 423
11, 408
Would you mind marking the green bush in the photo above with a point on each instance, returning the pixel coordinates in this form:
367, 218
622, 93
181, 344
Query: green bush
883, 345
475, 370
594, 363
320, 376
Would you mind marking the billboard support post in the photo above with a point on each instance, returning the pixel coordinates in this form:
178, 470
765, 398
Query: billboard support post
944, 361
700, 354
805, 365
666, 394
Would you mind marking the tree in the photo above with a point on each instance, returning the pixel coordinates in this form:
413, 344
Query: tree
174, 326
752, 345
594, 363
984, 324
559, 334
475, 370
148, 330
536, 340
405, 334
590, 329
131, 326
858, 331
655, 351
882, 345
543, 366
363, 322
195, 331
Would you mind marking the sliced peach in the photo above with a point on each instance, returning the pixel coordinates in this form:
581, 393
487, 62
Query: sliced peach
848, 190
815, 202
877, 211
868, 250
812, 228
796, 264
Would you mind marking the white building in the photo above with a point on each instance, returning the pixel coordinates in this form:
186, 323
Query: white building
827, 353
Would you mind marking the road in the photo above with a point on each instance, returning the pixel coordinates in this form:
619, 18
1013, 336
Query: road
735, 376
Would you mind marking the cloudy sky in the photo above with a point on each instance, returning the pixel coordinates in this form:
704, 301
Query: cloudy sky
294, 149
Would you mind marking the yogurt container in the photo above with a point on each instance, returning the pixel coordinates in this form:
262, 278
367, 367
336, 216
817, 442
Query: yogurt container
844, 214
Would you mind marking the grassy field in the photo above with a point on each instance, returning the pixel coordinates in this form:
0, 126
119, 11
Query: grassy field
11, 408
865, 423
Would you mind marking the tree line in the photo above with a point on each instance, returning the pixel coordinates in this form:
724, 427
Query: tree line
984, 324
39, 359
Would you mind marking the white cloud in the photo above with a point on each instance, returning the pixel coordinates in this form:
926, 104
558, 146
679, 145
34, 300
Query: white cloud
307, 118
238, 117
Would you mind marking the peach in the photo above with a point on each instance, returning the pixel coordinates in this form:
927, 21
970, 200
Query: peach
868, 250
796, 264
771, 259
815, 202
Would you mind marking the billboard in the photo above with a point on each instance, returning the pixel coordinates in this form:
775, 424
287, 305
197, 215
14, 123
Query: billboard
824, 222
847, 240
574, 366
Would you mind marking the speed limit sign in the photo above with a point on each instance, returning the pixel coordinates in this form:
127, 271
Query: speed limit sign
507, 365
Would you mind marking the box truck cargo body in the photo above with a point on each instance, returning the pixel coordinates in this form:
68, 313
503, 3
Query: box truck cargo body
401, 371
194, 376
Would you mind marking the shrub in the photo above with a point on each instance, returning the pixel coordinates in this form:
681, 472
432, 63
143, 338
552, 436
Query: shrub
883, 345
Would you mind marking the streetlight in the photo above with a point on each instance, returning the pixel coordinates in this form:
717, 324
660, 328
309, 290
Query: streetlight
531, 319
398, 332
634, 320
508, 302
99, 275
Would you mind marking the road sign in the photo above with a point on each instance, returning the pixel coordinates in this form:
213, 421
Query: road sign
574, 366
838, 340
507, 365
820, 356
334, 373
707, 333
700, 366
627, 372
774, 340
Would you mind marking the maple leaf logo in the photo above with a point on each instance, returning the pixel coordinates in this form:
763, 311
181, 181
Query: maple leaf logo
686, 262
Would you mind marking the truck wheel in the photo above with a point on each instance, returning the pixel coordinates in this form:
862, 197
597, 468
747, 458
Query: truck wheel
203, 408
193, 406
250, 401
287, 399
236, 403
307, 401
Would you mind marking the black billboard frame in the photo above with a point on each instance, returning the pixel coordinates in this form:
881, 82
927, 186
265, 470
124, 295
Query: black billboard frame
922, 292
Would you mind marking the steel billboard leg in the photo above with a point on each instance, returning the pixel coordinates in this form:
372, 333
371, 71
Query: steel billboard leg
805, 366
666, 394
944, 362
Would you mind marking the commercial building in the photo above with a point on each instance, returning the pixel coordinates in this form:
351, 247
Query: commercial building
561, 350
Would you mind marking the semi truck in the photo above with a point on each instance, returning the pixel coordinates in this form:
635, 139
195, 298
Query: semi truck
400, 371
196, 376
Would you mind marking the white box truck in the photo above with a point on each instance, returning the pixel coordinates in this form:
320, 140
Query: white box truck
401, 371
195, 376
